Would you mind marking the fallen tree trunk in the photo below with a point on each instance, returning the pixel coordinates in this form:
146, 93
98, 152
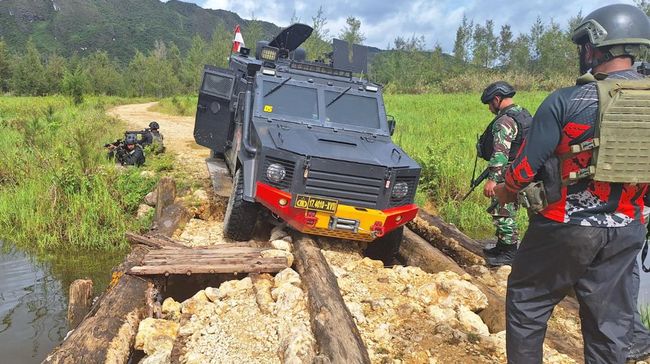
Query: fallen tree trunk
450, 246
337, 335
452, 232
80, 301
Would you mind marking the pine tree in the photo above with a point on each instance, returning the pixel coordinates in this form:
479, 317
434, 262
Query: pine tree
318, 44
5, 68
28, 73
505, 45
352, 31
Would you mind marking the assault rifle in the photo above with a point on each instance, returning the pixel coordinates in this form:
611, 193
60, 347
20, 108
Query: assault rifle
116, 143
475, 182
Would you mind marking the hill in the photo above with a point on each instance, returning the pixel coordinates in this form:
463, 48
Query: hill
119, 27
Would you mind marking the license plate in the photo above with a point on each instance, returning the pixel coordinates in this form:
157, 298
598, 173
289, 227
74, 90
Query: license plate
315, 203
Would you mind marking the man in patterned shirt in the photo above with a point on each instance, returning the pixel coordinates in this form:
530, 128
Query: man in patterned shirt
499, 145
589, 235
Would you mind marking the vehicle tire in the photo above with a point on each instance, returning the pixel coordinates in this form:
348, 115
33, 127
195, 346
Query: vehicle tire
386, 247
241, 215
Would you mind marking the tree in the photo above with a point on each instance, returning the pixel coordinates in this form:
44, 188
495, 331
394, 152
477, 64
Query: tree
74, 84
520, 56
643, 5
536, 32
55, 69
462, 44
28, 73
505, 45
193, 65
5, 67
175, 57
102, 73
318, 44
253, 33
220, 46
352, 31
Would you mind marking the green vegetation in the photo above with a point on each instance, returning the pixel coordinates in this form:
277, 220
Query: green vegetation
57, 189
645, 315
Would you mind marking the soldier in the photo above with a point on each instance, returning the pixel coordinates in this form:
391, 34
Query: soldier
153, 137
499, 145
130, 153
588, 234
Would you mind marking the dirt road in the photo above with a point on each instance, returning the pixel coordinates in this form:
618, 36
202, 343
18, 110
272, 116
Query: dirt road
177, 131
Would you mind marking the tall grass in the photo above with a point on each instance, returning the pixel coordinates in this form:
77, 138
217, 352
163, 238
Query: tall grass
57, 189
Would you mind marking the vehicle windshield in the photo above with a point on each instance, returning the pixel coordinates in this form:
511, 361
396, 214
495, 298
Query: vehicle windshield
291, 100
352, 110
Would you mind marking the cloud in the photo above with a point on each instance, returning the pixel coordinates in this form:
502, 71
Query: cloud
437, 20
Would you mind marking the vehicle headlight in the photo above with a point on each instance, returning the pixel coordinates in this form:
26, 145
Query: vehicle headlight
400, 190
276, 173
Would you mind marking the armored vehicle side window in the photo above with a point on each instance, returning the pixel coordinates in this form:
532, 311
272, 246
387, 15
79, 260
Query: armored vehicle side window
217, 85
351, 109
291, 100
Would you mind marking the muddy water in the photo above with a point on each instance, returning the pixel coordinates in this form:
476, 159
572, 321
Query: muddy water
33, 299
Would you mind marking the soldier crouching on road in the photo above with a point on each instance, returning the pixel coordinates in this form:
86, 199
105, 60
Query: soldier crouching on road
129, 153
499, 145
586, 223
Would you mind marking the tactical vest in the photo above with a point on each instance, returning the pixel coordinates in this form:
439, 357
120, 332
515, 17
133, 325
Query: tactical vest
621, 143
485, 145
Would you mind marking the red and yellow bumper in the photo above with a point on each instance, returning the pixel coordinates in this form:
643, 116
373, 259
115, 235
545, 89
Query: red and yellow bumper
369, 223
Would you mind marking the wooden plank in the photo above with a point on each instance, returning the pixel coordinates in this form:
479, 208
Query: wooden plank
337, 336
205, 251
220, 175
174, 216
151, 241
264, 265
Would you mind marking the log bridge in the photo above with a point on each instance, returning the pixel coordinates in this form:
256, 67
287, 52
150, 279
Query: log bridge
107, 332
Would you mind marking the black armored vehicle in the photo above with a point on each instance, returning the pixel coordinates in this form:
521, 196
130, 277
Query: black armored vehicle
306, 143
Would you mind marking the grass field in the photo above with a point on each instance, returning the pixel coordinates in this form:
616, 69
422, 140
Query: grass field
57, 189
439, 131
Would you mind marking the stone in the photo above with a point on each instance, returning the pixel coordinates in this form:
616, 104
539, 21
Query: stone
471, 322
201, 196
287, 276
196, 303
278, 232
298, 347
171, 310
150, 198
147, 174
159, 357
262, 285
143, 210
356, 309
156, 335
455, 292
427, 293
502, 274
287, 298
212, 294
272, 253
370, 263
281, 245
382, 332
441, 314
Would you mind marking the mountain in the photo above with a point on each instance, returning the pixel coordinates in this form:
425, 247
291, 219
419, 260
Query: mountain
119, 27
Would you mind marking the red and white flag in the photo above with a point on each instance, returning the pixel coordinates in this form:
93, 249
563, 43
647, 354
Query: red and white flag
238, 42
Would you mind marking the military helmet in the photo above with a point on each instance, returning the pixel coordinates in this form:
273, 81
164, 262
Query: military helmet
130, 139
154, 125
622, 25
499, 88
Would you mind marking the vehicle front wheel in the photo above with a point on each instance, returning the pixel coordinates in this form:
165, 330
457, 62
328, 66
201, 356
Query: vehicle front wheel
241, 215
386, 247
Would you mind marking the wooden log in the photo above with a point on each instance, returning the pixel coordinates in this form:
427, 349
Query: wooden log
266, 265
337, 335
174, 217
452, 232
108, 331
151, 241
79, 302
165, 195
450, 246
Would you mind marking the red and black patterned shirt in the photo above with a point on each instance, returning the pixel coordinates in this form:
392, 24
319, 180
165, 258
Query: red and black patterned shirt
567, 117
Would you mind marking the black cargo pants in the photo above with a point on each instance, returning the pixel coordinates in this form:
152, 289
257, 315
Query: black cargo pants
598, 263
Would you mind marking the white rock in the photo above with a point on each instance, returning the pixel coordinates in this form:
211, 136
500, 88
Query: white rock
458, 292
212, 294
472, 322
278, 232
502, 274
159, 357
201, 195
147, 174
272, 253
196, 303
287, 298
382, 332
143, 210
298, 347
441, 314
281, 245
171, 310
287, 276
150, 198
156, 335
356, 309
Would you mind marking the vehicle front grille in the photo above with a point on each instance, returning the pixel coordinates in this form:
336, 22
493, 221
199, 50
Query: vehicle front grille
412, 183
348, 189
288, 167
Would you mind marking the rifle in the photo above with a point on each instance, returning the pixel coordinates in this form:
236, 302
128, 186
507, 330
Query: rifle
116, 143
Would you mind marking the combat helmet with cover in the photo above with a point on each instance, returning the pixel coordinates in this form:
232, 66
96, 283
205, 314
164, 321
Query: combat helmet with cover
620, 145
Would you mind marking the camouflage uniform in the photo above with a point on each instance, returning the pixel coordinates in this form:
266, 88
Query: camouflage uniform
504, 130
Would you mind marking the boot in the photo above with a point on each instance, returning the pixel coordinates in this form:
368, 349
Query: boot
501, 254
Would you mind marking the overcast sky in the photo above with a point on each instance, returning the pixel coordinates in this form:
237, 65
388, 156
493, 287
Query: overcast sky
382, 21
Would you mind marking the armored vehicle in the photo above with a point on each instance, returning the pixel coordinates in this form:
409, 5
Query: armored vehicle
306, 143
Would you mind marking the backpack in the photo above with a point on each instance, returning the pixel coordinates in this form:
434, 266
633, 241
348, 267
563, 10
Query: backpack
485, 145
